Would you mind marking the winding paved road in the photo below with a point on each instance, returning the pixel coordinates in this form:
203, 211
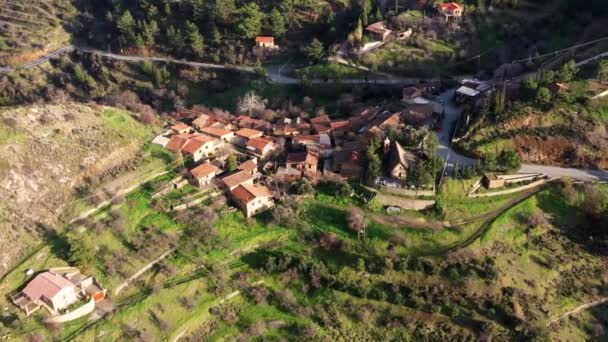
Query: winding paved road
453, 114
277, 74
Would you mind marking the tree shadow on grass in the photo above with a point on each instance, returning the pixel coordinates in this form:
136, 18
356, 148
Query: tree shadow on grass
60, 247
571, 221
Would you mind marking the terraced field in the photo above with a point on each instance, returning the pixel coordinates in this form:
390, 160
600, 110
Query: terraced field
30, 28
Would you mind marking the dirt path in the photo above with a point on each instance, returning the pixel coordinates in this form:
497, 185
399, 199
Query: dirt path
409, 222
116, 195
489, 219
142, 271
578, 309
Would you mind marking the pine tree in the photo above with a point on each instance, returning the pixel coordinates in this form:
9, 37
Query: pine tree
175, 38
277, 21
125, 26
197, 43
250, 24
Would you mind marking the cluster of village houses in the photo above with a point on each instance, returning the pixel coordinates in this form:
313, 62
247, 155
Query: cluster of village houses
290, 149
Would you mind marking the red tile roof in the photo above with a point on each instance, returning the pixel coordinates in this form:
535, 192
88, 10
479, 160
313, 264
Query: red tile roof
306, 139
263, 39
204, 170
196, 143
259, 143
46, 285
177, 142
180, 126
249, 133
202, 121
237, 178
248, 165
216, 131
247, 193
450, 6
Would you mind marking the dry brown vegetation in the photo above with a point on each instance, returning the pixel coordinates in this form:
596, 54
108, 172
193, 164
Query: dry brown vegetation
45, 153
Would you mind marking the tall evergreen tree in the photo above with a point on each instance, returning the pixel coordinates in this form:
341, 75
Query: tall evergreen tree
277, 22
197, 43
250, 24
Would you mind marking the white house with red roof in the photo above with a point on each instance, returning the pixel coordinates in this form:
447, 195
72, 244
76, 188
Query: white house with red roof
252, 199
262, 146
47, 289
450, 9
203, 174
201, 147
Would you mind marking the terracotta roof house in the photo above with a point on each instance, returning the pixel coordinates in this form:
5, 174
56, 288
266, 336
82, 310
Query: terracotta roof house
244, 134
237, 178
340, 128
264, 42
201, 122
305, 162
200, 147
249, 133
244, 121
250, 166
379, 31
382, 122
181, 127
292, 129
177, 142
203, 174
252, 199
261, 146
450, 9
220, 133
364, 118
52, 291
401, 161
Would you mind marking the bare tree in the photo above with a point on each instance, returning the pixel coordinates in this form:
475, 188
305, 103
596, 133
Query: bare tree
251, 103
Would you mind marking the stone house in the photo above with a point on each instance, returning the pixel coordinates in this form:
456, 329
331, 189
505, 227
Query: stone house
204, 174
237, 178
262, 146
252, 199
220, 133
180, 128
201, 147
244, 134
305, 162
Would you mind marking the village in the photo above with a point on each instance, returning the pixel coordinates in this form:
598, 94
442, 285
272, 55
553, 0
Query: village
368, 171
